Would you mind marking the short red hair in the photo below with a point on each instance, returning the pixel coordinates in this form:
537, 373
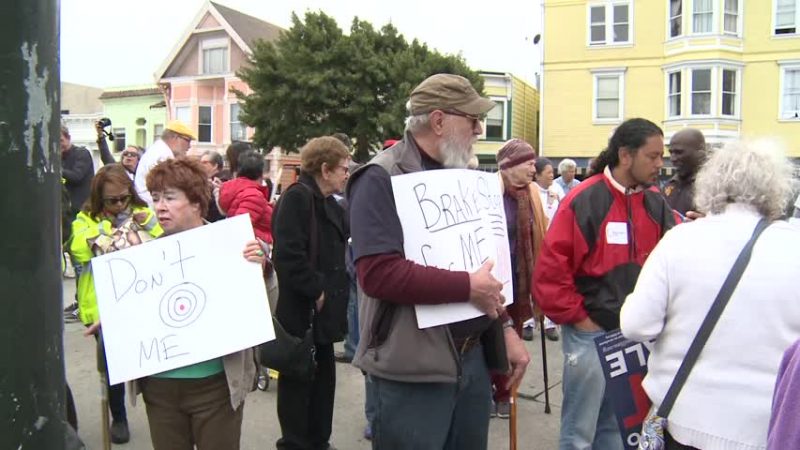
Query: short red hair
184, 174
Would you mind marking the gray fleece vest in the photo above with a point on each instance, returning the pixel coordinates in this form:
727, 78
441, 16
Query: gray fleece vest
391, 344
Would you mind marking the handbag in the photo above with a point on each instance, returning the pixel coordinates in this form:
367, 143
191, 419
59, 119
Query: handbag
290, 355
655, 424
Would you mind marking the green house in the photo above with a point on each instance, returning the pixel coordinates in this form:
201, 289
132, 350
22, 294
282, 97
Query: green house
137, 113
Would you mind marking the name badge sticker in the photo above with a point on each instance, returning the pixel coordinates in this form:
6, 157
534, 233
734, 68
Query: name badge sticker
617, 233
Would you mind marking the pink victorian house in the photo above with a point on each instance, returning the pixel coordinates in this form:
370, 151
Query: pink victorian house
200, 72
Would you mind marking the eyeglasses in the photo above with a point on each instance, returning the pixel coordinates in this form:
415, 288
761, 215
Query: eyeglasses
188, 140
345, 168
130, 154
475, 119
122, 200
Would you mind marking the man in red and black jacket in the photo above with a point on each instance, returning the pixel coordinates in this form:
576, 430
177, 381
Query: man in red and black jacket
604, 231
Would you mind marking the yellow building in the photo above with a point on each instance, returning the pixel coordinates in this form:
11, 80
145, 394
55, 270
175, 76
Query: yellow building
515, 115
730, 68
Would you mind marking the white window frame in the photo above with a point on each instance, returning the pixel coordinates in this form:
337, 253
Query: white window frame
737, 90
714, 14
141, 132
786, 66
670, 17
739, 23
504, 137
716, 68
680, 93
176, 116
213, 44
210, 125
609, 23
608, 73
158, 129
690, 91
231, 122
120, 138
796, 19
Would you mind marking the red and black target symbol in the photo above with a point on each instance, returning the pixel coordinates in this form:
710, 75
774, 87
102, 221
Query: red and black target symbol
182, 305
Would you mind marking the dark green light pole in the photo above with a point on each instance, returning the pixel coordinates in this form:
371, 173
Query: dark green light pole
32, 388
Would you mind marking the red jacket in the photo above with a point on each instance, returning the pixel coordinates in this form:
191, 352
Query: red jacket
595, 248
245, 196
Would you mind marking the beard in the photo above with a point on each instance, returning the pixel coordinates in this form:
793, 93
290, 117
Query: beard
456, 153
645, 183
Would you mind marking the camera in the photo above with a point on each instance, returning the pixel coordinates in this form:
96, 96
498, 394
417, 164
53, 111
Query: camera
102, 124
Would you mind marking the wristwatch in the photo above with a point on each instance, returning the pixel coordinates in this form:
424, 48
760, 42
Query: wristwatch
508, 324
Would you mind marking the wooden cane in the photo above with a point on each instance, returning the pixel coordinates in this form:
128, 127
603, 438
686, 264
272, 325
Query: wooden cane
101, 369
106, 420
512, 420
544, 367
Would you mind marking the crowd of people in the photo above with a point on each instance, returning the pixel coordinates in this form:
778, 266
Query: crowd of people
613, 251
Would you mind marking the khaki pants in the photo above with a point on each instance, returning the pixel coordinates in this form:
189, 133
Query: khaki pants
183, 413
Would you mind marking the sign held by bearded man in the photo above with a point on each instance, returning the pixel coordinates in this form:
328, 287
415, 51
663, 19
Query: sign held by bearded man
454, 219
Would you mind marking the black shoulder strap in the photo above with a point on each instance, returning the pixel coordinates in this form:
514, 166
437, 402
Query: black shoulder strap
710, 321
313, 238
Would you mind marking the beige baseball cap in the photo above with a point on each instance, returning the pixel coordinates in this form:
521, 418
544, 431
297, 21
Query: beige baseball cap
447, 91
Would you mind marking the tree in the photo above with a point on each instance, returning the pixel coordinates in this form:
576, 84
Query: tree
315, 80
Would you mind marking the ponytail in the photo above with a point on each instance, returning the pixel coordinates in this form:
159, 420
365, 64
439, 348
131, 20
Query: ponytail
599, 163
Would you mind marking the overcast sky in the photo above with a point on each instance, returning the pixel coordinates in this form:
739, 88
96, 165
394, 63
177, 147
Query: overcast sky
122, 42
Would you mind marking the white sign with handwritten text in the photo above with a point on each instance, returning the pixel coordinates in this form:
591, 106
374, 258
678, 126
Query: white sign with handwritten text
453, 219
180, 300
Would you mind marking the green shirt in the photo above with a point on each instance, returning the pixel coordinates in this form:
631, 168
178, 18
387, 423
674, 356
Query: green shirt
200, 370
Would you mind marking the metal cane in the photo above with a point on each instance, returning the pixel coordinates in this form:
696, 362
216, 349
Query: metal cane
101, 369
544, 367
512, 420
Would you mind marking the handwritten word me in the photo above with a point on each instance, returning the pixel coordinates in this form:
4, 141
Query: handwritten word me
473, 244
160, 349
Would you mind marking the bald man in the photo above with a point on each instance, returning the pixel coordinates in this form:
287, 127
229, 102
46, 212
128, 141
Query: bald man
687, 152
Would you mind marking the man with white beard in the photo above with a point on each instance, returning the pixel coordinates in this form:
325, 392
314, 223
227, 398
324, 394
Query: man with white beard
432, 385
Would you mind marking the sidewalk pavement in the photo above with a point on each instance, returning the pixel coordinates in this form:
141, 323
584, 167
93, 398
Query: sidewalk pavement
535, 429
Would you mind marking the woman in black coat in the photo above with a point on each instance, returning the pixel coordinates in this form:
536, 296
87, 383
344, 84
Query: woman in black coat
308, 255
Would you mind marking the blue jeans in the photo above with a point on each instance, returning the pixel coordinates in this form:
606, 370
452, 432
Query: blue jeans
369, 399
435, 416
587, 416
352, 338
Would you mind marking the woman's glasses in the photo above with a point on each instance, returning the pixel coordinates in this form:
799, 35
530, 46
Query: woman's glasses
130, 154
121, 200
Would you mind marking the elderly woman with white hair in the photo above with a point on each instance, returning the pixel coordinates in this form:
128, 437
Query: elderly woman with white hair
725, 402
567, 169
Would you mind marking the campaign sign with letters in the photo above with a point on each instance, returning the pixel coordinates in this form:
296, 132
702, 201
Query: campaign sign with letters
181, 300
454, 219
625, 365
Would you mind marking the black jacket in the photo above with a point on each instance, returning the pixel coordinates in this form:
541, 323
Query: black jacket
77, 168
300, 285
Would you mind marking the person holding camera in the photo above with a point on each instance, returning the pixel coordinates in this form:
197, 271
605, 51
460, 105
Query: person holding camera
105, 154
130, 156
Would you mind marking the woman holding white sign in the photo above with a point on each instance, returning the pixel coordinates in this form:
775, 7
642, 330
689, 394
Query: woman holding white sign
200, 404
